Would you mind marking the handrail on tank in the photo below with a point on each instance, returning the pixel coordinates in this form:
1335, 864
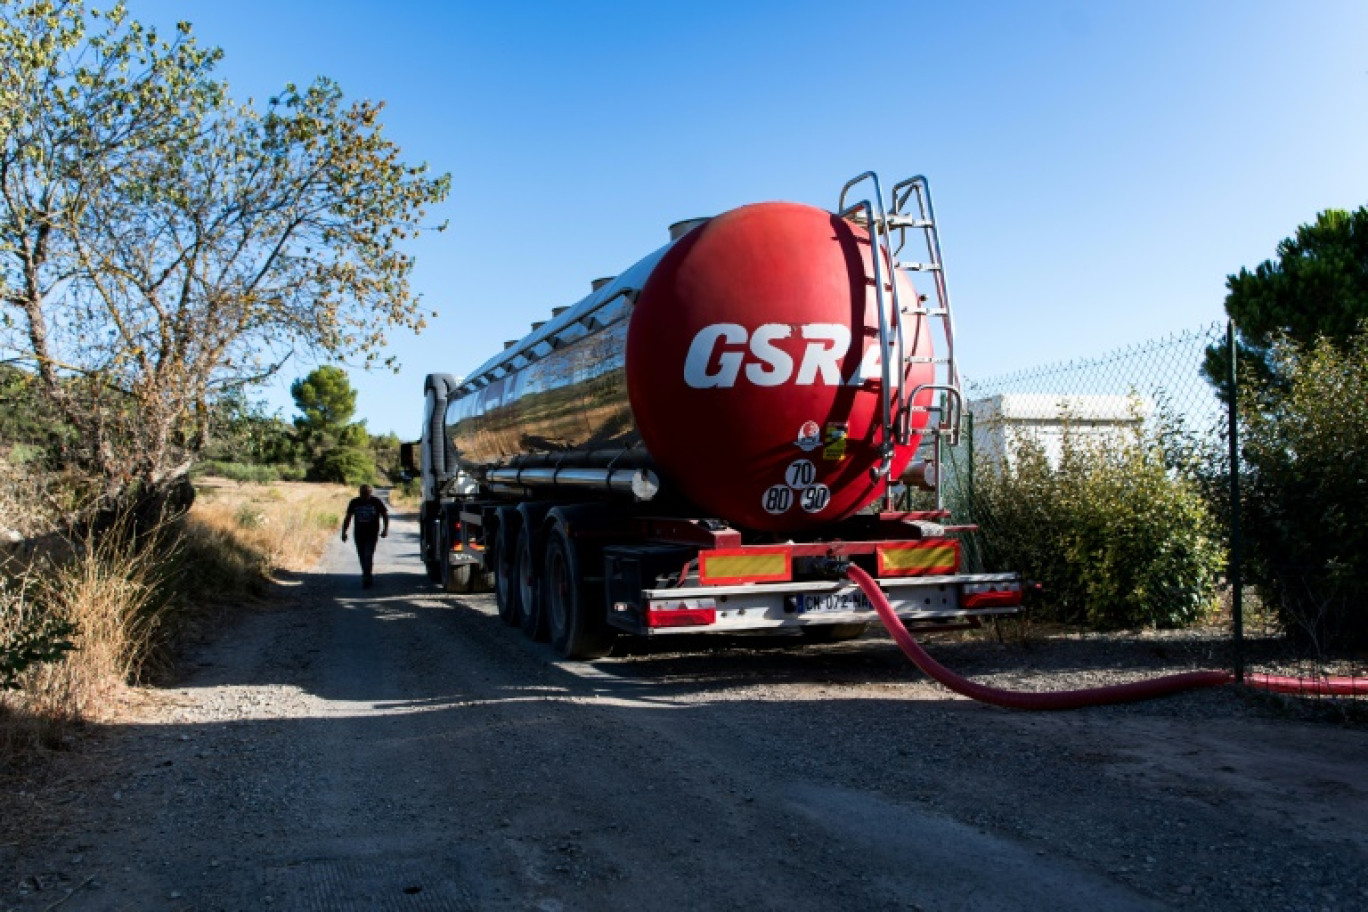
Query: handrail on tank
877, 251
956, 410
951, 389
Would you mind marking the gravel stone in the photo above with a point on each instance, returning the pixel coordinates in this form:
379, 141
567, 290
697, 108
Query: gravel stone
400, 748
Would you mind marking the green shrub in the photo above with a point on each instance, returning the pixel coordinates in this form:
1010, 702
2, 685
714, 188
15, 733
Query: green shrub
409, 489
292, 472
29, 635
250, 473
246, 473
345, 465
248, 516
1305, 493
1114, 536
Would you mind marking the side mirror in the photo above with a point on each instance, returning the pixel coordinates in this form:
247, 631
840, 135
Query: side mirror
408, 457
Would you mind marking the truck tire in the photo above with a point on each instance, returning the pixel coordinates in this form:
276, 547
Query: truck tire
577, 629
458, 578
834, 633
444, 566
483, 581
505, 571
430, 548
526, 583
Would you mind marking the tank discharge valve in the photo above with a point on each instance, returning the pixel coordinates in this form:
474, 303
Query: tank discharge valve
920, 473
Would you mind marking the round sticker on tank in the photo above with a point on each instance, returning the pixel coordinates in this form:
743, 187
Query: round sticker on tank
809, 437
777, 499
800, 474
815, 498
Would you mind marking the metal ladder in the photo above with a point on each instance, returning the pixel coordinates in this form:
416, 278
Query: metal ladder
897, 402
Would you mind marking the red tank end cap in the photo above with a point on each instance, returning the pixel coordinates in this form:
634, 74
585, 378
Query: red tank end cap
753, 367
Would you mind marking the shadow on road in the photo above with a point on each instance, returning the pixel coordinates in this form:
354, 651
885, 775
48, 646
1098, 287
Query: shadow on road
345, 746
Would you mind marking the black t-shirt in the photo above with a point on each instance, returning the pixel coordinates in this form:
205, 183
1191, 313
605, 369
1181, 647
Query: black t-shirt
367, 513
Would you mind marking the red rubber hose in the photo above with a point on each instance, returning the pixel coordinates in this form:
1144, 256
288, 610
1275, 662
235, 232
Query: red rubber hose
1059, 699
1311, 687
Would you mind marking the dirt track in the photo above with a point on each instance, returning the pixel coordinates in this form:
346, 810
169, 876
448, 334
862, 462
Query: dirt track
396, 748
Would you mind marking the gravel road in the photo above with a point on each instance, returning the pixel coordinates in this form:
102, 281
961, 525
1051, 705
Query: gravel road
397, 748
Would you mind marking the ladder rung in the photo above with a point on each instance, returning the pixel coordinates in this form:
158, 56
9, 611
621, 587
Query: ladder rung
918, 267
923, 359
923, 312
893, 221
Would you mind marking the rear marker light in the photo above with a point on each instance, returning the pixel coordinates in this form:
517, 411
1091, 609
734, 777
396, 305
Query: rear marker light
991, 595
661, 616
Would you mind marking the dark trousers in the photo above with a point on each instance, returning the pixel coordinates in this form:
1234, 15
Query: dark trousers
365, 548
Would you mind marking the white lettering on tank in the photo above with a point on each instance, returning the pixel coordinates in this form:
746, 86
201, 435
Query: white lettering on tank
775, 365
701, 351
821, 359
871, 367
720, 350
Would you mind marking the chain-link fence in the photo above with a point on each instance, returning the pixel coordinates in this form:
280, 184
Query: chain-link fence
1107, 481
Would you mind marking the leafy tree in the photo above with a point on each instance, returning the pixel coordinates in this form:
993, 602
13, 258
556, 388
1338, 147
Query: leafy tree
1317, 288
337, 448
1305, 494
161, 245
1303, 361
384, 450
242, 433
24, 422
325, 398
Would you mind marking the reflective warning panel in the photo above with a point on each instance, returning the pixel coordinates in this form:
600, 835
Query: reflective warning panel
744, 565
919, 558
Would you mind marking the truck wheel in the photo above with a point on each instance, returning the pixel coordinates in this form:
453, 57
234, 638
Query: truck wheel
577, 631
431, 549
458, 578
834, 633
525, 575
505, 576
447, 573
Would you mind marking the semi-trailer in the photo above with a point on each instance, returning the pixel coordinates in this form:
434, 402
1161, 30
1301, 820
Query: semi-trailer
707, 441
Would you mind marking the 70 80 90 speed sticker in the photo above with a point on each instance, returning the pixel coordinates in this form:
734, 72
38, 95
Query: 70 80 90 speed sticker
800, 485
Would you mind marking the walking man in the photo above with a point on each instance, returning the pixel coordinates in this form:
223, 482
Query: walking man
370, 513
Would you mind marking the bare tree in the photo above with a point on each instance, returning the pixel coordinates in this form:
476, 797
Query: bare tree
161, 244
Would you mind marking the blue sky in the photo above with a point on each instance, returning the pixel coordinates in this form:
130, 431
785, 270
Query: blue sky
1098, 167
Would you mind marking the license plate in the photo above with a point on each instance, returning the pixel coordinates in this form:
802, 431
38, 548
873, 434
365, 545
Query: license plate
837, 601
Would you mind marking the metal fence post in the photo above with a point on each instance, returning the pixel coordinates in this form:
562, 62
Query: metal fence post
1236, 542
969, 452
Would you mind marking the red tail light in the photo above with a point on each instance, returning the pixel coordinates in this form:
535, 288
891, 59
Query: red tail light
991, 595
681, 617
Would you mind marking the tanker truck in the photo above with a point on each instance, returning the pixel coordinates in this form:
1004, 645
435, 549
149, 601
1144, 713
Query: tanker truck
709, 439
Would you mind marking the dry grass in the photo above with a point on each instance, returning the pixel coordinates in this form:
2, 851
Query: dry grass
115, 597
406, 497
133, 606
280, 526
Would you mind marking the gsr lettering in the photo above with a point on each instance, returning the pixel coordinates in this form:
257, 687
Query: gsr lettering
723, 353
